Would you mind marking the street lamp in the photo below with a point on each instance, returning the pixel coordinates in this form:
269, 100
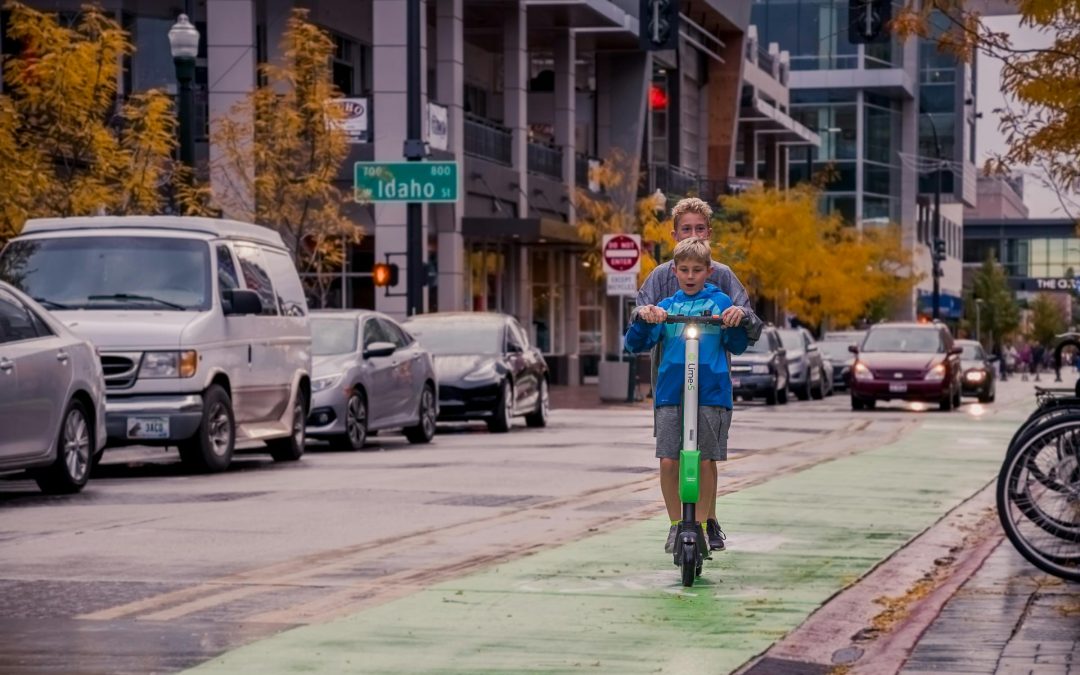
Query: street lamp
184, 45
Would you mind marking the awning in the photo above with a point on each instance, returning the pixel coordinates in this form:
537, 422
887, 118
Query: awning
525, 230
767, 118
952, 307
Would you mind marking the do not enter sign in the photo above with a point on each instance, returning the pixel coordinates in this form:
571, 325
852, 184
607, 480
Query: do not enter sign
621, 253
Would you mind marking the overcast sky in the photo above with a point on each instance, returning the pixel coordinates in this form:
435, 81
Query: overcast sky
1041, 201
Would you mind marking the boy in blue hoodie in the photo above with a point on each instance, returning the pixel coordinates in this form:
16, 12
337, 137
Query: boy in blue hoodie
695, 297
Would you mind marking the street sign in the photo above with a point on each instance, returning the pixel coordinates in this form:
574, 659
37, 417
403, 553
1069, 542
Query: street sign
622, 283
621, 252
406, 182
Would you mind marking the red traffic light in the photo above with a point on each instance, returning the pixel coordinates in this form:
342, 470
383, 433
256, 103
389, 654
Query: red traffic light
384, 274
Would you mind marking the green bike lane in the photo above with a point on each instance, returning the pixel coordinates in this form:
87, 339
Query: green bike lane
612, 602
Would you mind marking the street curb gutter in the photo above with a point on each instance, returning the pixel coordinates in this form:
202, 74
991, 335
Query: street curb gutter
871, 627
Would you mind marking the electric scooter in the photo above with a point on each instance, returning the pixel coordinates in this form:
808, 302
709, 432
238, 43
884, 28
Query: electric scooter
691, 546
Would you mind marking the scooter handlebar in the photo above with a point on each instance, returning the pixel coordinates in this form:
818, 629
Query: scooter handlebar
712, 320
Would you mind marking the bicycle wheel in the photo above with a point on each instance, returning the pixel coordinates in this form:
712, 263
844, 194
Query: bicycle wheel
1053, 409
688, 563
1043, 523
1034, 430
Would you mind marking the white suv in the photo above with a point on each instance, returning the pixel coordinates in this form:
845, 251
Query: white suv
201, 325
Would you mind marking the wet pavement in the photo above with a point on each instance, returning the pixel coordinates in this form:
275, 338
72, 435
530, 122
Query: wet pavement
1008, 619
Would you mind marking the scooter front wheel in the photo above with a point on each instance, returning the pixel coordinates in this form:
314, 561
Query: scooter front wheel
689, 563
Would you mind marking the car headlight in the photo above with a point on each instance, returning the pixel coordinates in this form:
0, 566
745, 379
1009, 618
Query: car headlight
760, 369
936, 374
975, 375
862, 371
325, 382
482, 374
162, 365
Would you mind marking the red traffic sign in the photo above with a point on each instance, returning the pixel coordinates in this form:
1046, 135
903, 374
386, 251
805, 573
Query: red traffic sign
621, 252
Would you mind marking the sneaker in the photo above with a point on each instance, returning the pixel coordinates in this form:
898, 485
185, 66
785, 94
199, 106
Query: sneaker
669, 546
716, 535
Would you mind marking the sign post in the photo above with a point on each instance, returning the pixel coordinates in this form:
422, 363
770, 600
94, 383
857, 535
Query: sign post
621, 254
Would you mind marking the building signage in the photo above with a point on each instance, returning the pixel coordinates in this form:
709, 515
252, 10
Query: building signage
354, 120
621, 253
1057, 284
438, 127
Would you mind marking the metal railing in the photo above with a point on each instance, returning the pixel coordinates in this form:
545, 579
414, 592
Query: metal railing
545, 159
672, 180
487, 139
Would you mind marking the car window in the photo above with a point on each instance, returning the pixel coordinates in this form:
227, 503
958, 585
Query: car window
973, 353
522, 336
513, 340
791, 339
374, 331
226, 269
333, 336
256, 278
16, 322
394, 334
764, 345
290, 294
914, 340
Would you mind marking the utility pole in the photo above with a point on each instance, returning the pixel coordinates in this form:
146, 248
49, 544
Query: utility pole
414, 152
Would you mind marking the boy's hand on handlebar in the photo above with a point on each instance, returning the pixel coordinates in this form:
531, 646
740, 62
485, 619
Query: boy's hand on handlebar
732, 316
652, 314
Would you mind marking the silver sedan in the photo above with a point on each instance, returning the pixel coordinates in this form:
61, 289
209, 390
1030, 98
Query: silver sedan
52, 397
368, 374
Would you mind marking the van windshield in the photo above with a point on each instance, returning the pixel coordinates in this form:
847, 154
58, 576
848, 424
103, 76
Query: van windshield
141, 273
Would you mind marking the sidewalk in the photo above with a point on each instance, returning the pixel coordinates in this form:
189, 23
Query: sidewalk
1008, 619
587, 397
613, 603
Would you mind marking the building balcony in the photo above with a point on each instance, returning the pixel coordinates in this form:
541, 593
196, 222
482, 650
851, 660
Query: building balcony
545, 159
488, 140
672, 180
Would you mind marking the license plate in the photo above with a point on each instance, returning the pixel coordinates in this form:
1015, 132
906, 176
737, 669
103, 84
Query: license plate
897, 387
735, 381
148, 427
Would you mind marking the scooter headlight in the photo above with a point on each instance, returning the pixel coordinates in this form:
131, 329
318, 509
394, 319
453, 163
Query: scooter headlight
691, 332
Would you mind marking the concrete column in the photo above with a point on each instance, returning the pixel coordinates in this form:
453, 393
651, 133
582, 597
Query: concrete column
450, 92
515, 96
772, 161
230, 51
389, 105
750, 151
565, 113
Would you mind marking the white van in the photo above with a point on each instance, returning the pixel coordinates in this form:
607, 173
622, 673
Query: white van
201, 325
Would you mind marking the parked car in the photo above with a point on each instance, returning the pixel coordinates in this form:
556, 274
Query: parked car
979, 378
804, 363
851, 337
368, 374
906, 361
840, 358
52, 397
201, 325
762, 370
486, 368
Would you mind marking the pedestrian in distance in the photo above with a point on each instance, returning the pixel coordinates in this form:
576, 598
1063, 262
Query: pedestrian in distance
695, 297
692, 217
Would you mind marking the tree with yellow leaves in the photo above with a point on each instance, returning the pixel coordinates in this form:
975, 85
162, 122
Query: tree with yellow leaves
282, 148
616, 209
1043, 128
784, 250
68, 146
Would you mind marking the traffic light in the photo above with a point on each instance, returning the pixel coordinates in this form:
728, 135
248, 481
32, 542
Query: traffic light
868, 20
384, 274
939, 250
659, 24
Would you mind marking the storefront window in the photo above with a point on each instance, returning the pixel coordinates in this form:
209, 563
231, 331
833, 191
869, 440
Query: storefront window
487, 267
542, 298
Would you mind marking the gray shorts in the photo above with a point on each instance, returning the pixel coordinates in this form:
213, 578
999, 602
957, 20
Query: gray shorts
713, 425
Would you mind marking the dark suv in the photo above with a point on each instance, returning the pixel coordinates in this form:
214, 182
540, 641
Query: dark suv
762, 370
906, 361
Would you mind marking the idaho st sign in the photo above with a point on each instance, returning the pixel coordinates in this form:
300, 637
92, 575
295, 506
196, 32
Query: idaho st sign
425, 182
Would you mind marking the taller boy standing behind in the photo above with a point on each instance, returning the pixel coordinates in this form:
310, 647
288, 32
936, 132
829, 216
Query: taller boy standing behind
694, 297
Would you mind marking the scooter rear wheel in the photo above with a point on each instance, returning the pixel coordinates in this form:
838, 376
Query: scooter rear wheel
689, 564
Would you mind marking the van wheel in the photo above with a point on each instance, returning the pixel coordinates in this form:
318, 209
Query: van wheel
424, 430
211, 448
291, 448
74, 447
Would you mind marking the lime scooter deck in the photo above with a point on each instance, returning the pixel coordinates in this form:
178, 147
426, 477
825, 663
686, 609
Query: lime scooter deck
691, 548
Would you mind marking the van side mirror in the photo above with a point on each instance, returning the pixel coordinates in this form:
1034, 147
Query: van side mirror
238, 302
854, 349
378, 349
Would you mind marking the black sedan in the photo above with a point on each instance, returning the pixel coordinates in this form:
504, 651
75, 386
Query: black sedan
839, 354
762, 370
977, 371
486, 368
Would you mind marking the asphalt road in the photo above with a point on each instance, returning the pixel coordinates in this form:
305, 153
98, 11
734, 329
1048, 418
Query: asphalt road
153, 569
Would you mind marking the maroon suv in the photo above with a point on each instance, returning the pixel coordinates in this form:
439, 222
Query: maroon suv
906, 361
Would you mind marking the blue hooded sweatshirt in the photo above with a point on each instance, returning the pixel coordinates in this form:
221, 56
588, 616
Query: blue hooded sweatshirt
714, 343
